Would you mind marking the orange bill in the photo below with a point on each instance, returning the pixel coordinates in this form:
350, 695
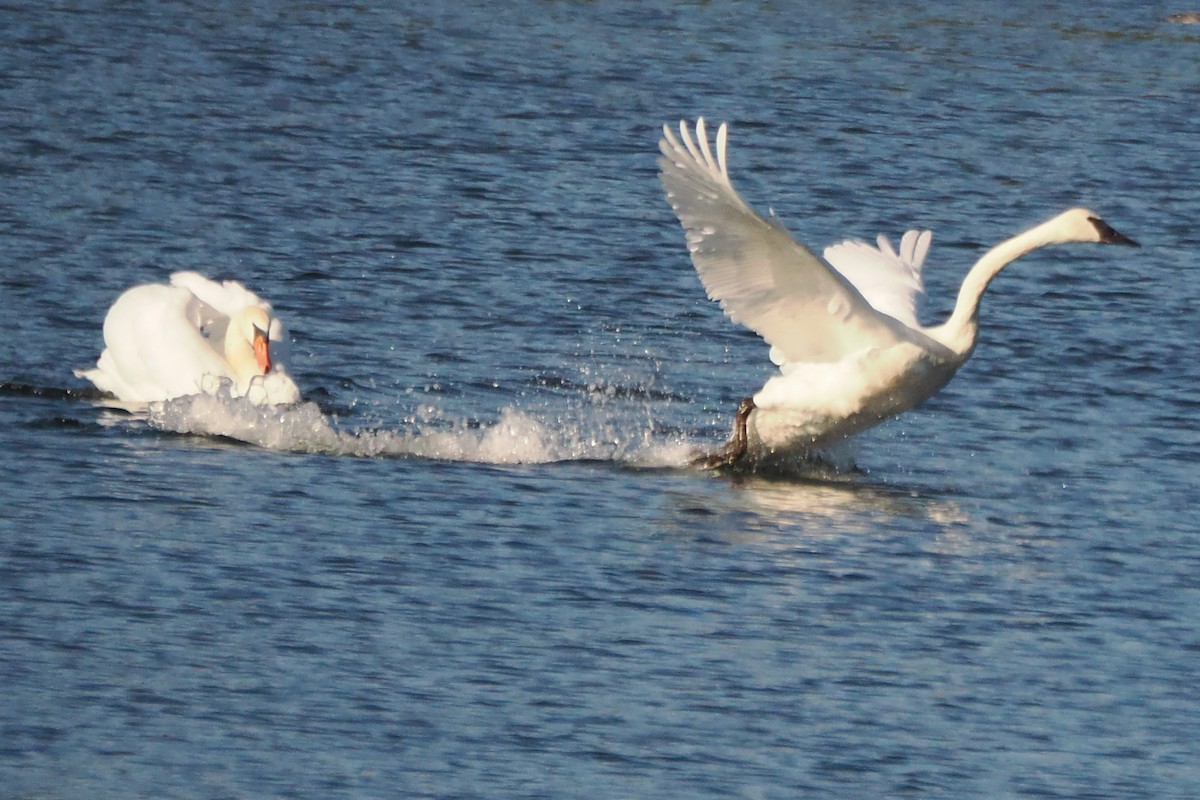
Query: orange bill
262, 351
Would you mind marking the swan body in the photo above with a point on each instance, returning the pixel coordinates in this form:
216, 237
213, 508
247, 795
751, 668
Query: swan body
843, 328
189, 336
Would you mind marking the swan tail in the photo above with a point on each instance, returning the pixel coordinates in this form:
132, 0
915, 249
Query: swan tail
105, 377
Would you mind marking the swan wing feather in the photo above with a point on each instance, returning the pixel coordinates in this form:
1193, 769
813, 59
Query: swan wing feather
213, 303
888, 279
762, 277
152, 350
226, 297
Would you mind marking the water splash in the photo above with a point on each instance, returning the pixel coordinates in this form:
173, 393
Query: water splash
515, 437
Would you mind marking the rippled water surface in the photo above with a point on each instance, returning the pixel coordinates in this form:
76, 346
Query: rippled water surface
473, 565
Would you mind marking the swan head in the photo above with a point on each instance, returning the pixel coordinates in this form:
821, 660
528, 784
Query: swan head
248, 351
248, 344
1085, 225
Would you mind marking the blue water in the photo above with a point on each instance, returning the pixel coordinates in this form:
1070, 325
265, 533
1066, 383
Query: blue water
473, 566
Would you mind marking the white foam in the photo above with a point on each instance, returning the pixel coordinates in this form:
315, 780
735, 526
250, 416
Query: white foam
515, 437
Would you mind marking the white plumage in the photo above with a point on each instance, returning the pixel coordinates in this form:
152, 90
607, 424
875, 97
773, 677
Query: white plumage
192, 335
843, 329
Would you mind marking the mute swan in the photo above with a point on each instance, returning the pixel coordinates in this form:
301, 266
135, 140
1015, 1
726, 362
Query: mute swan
193, 335
843, 330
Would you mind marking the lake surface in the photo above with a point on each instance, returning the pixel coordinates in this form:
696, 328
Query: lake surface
474, 565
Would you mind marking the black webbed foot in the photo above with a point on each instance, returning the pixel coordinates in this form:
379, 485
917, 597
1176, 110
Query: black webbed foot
735, 449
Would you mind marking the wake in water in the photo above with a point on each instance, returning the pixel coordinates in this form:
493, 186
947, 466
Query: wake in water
516, 437
579, 431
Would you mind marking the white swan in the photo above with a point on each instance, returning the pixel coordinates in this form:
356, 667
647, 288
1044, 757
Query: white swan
193, 335
843, 330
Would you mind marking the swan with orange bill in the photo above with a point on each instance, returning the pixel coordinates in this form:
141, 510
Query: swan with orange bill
189, 336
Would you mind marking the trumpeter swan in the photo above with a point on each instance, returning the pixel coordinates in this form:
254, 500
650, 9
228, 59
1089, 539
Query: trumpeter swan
843, 330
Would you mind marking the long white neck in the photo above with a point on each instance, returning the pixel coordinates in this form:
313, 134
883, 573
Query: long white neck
959, 332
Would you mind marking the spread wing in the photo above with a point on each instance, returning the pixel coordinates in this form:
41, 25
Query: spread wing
889, 280
763, 278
